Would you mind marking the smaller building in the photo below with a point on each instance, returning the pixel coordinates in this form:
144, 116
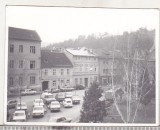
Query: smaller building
56, 70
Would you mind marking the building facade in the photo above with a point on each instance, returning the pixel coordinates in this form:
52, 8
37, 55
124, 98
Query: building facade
56, 70
85, 64
24, 59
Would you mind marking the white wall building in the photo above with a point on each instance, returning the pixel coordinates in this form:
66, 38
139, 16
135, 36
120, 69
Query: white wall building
85, 64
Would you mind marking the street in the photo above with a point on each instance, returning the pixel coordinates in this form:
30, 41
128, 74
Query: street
70, 113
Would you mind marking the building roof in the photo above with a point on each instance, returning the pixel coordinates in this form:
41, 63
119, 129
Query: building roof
81, 52
23, 34
50, 59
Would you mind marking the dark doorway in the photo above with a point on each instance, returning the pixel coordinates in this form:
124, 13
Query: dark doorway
86, 82
44, 85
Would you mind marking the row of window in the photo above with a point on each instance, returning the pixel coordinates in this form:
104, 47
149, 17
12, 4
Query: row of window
62, 72
84, 58
21, 64
60, 82
81, 80
20, 81
80, 69
21, 49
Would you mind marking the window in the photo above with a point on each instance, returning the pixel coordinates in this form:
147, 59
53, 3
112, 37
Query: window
54, 82
32, 64
104, 71
80, 68
11, 48
46, 72
20, 81
67, 71
11, 81
11, 64
80, 80
21, 64
68, 81
95, 69
62, 82
62, 71
76, 81
20, 48
32, 80
54, 71
32, 49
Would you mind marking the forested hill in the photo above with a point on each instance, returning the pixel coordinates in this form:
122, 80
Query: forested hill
142, 38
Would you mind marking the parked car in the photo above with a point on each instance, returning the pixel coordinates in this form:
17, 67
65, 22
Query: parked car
11, 103
76, 99
38, 102
19, 116
28, 92
38, 111
67, 102
47, 98
47, 91
21, 106
55, 106
60, 97
55, 90
68, 95
79, 87
60, 120
67, 89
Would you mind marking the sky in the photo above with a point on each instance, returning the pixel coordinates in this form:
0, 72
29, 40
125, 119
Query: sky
56, 24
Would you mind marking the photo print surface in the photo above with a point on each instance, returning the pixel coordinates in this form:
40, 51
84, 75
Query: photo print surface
81, 65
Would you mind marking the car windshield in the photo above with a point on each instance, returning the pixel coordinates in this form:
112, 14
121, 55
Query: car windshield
61, 119
49, 96
19, 114
38, 108
75, 96
60, 95
22, 105
55, 103
68, 101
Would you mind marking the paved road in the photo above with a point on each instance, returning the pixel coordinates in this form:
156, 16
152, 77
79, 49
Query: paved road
70, 113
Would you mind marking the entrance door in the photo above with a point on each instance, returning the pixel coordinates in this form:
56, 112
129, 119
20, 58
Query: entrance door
44, 85
86, 82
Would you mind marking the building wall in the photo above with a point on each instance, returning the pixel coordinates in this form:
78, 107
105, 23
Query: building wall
57, 79
103, 71
85, 70
24, 71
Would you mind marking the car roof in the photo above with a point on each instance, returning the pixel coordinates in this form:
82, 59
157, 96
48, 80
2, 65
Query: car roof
12, 100
38, 106
19, 111
68, 99
47, 93
21, 103
55, 118
38, 99
55, 101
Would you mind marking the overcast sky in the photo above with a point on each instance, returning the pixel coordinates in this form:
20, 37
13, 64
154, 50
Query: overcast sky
56, 24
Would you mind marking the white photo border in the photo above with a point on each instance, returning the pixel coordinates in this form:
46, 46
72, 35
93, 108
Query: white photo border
4, 51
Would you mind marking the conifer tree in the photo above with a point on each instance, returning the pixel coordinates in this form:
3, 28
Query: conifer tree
93, 109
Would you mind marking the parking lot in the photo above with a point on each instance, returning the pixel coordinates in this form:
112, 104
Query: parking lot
70, 113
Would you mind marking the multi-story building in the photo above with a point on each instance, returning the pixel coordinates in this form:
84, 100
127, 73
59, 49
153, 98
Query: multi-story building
56, 70
24, 59
85, 64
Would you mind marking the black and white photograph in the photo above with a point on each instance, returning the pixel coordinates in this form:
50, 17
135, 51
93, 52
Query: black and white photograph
68, 65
